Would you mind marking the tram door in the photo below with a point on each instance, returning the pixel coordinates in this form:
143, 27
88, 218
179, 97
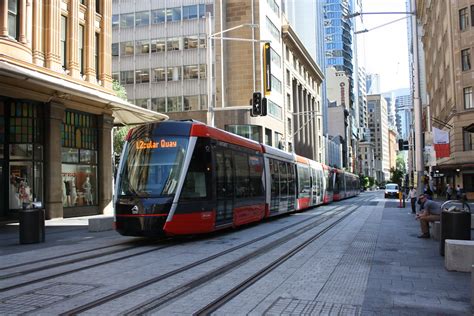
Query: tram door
225, 186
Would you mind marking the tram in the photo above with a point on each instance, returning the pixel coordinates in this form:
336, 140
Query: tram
184, 177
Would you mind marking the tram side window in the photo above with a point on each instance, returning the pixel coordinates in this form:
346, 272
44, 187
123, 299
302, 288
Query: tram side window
256, 180
303, 181
283, 180
242, 175
196, 184
291, 180
275, 186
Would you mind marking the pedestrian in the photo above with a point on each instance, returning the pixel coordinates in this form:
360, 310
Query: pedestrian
458, 192
430, 212
412, 196
449, 192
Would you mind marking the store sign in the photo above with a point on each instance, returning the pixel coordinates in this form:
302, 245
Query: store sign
141, 144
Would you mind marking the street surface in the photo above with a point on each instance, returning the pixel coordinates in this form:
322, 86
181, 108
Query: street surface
355, 257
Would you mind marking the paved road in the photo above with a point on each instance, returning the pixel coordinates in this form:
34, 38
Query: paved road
370, 262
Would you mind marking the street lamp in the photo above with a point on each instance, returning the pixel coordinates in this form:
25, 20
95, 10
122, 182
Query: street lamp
210, 37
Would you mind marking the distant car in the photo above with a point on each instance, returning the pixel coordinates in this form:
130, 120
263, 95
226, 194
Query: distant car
391, 190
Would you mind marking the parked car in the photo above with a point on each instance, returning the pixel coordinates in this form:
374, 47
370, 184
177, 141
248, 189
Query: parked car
391, 190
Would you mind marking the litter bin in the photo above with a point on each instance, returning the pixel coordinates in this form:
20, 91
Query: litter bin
454, 225
31, 226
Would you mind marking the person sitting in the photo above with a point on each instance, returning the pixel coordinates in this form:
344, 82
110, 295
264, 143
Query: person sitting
430, 212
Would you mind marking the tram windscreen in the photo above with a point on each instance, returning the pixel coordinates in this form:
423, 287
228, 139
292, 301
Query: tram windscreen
152, 167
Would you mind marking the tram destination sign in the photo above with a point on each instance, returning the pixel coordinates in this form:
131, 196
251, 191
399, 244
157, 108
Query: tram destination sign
163, 143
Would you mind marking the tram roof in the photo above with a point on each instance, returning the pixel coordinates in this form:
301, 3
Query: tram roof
278, 153
202, 130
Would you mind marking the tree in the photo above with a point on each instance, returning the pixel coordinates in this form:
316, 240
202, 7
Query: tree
397, 175
119, 90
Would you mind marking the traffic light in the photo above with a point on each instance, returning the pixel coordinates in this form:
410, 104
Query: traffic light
264, 107
400, 144
256, 104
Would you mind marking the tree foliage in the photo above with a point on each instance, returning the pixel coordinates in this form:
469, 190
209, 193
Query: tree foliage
119, 90
119, 138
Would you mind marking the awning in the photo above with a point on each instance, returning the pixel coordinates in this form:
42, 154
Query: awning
124, 113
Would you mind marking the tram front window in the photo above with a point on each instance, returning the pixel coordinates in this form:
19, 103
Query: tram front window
152, 167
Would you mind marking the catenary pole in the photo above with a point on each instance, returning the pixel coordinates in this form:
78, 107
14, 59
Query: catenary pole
419, 162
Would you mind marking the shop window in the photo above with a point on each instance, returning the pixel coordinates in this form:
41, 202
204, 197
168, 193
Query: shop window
25, 152
79, 160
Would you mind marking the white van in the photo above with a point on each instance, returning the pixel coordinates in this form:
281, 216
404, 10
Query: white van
391, 190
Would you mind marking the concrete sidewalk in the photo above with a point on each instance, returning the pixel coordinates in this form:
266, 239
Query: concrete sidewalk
407, 276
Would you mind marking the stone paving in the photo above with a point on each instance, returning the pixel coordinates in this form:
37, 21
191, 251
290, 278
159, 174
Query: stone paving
370, 264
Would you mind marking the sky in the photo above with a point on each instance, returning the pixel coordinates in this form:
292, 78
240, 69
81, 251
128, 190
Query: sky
385, 50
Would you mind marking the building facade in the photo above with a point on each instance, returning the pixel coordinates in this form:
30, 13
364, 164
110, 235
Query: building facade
448, 42
162, 61
378, 124
339, 120
57, 108
367, 159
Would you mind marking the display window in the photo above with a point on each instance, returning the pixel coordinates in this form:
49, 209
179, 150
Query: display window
79, 160
24, 150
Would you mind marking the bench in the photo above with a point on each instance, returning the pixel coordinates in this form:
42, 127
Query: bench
100, 224
435, 230
458, 255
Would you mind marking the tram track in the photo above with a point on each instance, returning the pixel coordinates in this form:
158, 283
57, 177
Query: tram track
78, 260
176, 292
63, 256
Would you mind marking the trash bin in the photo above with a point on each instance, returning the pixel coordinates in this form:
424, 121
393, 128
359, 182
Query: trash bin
454, 225
31, 226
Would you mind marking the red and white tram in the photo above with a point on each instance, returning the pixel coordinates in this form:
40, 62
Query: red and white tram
183, 177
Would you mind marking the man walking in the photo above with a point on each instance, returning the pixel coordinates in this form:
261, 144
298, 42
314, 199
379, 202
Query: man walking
430, 212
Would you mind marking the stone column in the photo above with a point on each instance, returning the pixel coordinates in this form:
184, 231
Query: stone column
73, 39
52, 166
37, 36
52, 32
3, 18
105, 59
89, 42
23, 18
105, 179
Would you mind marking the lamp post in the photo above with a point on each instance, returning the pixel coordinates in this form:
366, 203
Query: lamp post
210, 37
